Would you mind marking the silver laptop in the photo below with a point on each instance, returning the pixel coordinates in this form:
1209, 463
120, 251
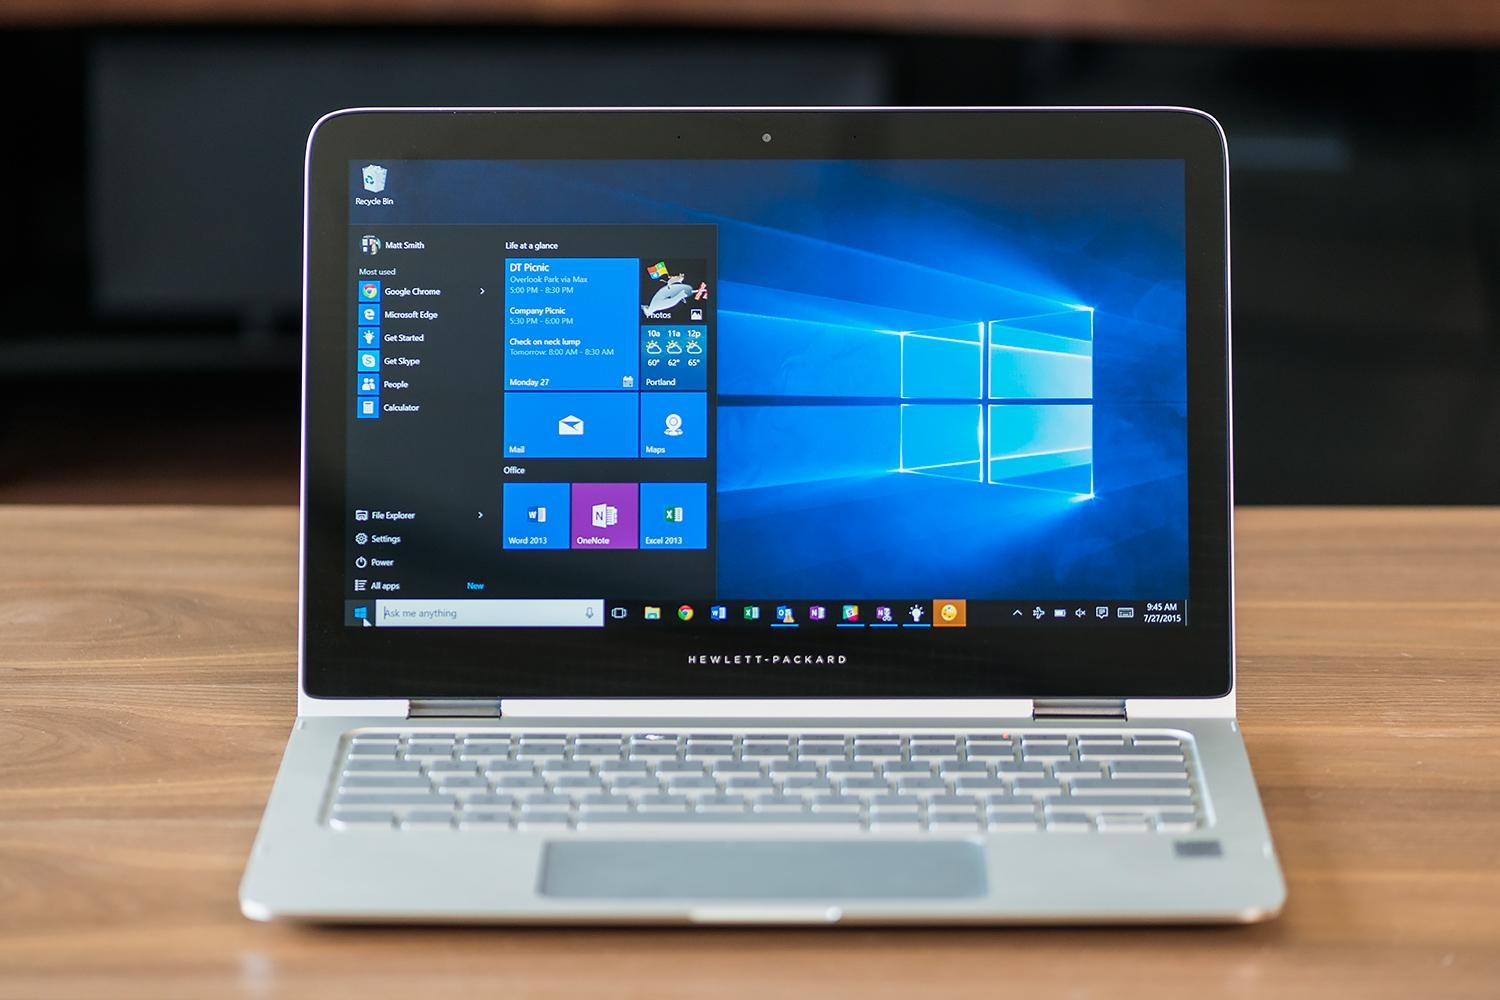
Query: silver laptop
766, 515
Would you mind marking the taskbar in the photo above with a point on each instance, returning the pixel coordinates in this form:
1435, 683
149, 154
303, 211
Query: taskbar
908, 614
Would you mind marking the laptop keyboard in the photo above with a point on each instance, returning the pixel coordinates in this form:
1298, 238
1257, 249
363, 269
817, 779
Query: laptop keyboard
1000, 782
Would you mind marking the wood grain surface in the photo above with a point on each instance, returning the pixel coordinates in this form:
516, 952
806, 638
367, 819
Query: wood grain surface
146, 689
1466, 23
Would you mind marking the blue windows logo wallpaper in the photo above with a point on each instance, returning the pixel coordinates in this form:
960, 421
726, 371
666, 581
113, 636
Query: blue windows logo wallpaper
934, 376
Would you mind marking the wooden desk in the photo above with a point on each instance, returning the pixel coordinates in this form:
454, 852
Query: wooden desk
146, 689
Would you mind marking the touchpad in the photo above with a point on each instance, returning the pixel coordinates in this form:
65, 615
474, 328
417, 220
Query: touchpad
819, 869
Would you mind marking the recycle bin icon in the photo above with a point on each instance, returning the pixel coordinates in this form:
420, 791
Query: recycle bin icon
374, 177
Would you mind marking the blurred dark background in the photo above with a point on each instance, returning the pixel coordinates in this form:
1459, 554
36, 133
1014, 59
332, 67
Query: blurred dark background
152, 167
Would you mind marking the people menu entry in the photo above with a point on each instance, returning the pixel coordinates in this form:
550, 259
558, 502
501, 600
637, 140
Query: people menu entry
534, 411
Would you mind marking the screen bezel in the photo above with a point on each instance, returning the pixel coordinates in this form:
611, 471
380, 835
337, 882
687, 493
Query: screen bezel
1190, 661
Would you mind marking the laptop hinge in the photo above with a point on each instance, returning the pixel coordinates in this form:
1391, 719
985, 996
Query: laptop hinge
1078, 708
460, 708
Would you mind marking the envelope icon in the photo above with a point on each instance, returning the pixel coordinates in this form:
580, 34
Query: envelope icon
570, 426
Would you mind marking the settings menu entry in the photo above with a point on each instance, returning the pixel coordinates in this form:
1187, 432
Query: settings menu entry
533, 411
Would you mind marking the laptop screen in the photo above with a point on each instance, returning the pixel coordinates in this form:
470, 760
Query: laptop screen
831, 395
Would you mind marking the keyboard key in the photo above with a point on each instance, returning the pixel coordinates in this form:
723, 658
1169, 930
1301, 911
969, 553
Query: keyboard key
545, 803
512, 781
543, 821
623, 767
382, 766
1046, 754
1123, 823
392, 782
577, 781
1010, 822
1122, 801
629, 782
373, 750
690, 782
1168, 823
964, 767
358, 799
1105, 786
651, 751
849, 768
602, 808
483, 758
448, 783
1148, 768
567, 767
777, 803
895, 824
540, 753
353, 819
491, 801
1069, 821
427, 819
1010, 804
952, 802
679, 767
721, 803
662, 803
895, 802
510, 767
450, 767
709, 755
953, 822
836, 803
1131, 753
735, 768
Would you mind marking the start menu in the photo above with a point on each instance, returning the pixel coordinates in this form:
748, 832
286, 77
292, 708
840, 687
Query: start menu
534, 410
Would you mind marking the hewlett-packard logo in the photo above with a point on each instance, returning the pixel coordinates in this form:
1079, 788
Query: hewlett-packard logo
374, 178
757, 659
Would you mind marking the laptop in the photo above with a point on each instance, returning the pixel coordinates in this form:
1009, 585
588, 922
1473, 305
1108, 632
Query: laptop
802, 516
